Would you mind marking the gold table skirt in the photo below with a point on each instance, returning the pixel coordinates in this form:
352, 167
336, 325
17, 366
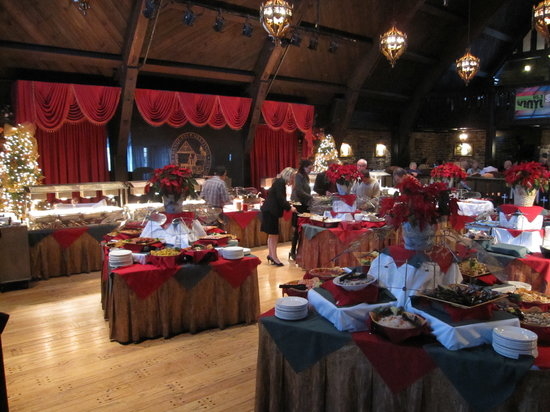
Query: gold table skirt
346, 381
49, 259
252, 236
172, 309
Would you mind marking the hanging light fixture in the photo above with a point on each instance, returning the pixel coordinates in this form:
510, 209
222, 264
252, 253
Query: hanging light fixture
82, 5
541, 18
276, 16
393, 44
468, 65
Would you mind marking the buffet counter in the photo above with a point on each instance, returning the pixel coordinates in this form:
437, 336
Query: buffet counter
338, 371
147, 301
56, 252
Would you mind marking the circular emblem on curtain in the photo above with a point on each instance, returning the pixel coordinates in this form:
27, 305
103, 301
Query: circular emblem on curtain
191, 150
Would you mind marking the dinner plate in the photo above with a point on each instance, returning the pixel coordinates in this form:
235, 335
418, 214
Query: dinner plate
291, 301
515, 333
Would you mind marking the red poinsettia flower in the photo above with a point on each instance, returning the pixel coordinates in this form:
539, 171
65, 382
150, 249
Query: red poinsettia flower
529, 175
343, 174
418, 204
448, 171
172, 180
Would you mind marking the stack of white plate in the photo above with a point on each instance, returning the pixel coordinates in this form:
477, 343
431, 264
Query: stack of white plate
512, 341
233, 252
291, 308
120, 257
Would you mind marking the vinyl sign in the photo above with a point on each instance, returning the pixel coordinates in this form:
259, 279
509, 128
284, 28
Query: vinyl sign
532, 102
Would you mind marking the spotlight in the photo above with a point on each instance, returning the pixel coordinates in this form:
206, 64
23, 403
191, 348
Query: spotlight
189, 17
296, 39
313, 43
247, 29
333, 47
220, 21
150, 9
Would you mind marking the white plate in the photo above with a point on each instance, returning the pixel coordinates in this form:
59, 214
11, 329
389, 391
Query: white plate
515, 333
291, 301
519, 351
286, 316
513, 344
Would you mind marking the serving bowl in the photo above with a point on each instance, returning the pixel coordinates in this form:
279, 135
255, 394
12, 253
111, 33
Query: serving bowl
354, 283
405, 325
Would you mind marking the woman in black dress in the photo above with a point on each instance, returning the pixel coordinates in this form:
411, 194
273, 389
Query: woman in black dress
272, 210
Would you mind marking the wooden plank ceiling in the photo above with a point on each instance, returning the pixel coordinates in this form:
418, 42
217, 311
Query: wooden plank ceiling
118, 42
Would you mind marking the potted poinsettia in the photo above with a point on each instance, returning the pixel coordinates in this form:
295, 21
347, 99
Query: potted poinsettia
344, 176
449, 173
527, 178
416, 209
174, 184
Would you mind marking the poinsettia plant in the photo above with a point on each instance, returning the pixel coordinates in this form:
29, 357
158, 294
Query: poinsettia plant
173, 180
343, 174
529, 175
448, 171
418, 204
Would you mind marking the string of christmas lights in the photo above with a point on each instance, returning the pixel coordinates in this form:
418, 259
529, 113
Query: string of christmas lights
325, 152
18, 168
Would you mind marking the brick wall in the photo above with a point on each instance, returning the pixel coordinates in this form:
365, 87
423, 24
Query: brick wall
363, 143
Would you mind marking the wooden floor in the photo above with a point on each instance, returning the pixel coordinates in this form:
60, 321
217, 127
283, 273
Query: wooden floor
58, 356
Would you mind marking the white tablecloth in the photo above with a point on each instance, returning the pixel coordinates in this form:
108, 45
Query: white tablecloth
407, 280
531, 239
349, 318
475, 207
466, 335
519, 222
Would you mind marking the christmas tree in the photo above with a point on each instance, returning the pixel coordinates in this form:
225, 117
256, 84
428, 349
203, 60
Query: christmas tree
18, 168
325, 152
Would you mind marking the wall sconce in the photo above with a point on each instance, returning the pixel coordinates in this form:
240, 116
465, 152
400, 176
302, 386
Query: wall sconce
345, 150
266, 182
380, 150
463, 136
110, 193
37, 197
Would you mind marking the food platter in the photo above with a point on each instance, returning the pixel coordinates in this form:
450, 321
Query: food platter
485, 297
326, 273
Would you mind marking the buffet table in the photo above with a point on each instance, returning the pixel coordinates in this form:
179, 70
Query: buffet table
338, 371
55, 252
246, 227
319, 245
146, 301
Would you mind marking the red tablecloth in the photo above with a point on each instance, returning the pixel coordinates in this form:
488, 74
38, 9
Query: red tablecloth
66, 237
235, 271
242, 218
398, 365
539, 264
530, 212
438, 254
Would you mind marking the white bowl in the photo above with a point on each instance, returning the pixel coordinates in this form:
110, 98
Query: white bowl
355, 284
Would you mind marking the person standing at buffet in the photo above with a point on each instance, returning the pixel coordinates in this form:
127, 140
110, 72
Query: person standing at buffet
272, 209
323, 186
301, 193
367, 191
214, 190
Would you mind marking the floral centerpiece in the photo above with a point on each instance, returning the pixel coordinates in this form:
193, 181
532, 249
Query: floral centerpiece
527, 178
343, 175
417, 209
174, 184
448, 172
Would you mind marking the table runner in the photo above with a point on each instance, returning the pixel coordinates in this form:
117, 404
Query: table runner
145, 279
190, 275
66, 237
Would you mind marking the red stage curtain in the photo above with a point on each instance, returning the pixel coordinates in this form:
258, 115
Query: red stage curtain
50, 105
273, 150
76, 153
289, 117
178, 108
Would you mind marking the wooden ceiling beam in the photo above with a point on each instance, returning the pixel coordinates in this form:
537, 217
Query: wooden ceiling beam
135, 38
363, 69
270, 59
482, 12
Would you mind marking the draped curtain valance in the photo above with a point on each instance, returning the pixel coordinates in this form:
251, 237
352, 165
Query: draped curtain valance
158, 107
50, 105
